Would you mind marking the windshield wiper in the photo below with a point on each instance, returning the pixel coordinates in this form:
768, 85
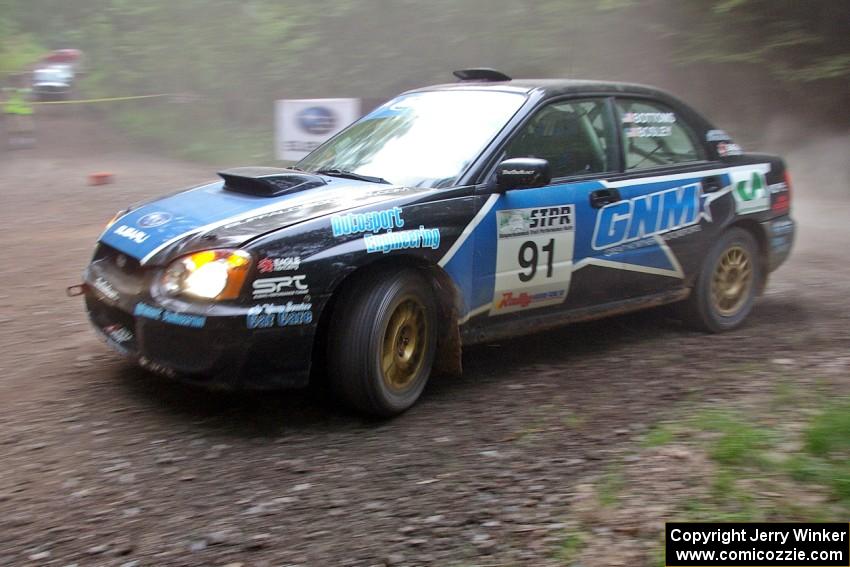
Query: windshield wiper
351, 175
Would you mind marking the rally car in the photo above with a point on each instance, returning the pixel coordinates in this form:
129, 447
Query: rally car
450, 215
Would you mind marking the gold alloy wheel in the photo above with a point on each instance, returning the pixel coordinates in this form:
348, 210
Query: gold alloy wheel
731, 282
404, 345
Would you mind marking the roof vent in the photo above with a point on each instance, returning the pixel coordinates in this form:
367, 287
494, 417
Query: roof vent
481, 74
268, 181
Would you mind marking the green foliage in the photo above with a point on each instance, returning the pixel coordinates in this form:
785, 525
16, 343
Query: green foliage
738, 446
238, 56
17, 51
797, 42
832, 473
735, 442
570, 548
829, 431
232, 57
609, 488
827, 441
659, 435
211, 142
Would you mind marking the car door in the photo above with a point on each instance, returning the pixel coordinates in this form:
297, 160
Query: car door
655, 222
542, 235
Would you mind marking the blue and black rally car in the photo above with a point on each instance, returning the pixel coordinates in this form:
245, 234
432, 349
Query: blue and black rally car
450, 215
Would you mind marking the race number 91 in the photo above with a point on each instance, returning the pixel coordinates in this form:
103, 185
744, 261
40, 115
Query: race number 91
528, 257
533, 257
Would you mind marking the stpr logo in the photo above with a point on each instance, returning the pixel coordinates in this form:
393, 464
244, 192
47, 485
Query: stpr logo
152, 220
317, 120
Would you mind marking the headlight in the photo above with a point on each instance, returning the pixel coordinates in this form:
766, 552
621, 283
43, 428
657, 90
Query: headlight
211, 274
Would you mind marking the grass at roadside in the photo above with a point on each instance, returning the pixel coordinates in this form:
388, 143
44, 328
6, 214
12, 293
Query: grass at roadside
188, 131
826, 459
570, 548
768, 473
784, 458
735, 441
205, 143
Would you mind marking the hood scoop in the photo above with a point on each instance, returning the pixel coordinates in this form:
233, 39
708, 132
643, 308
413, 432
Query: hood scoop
268, 181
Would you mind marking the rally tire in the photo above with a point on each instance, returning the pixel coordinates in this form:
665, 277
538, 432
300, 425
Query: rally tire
726, 287
382, 340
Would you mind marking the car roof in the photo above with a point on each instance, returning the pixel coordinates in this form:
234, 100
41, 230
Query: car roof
547, 89
553, 87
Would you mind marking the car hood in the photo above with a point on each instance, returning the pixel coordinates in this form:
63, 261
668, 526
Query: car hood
211, 217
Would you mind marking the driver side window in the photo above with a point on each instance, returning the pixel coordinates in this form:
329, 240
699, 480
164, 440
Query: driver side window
575, 137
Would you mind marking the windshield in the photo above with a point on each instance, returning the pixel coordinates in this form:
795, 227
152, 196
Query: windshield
418, 140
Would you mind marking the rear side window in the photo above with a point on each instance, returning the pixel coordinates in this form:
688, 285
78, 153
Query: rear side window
575, 137
654, 135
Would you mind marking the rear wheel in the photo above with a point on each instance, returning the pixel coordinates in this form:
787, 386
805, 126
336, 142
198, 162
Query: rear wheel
725, 289
382, 341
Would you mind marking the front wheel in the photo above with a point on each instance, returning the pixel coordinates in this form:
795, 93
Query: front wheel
382, 341
725, 289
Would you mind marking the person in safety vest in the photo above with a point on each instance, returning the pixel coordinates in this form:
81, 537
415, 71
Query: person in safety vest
18, 111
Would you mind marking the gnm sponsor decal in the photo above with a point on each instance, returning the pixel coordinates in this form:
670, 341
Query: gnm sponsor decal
647, 215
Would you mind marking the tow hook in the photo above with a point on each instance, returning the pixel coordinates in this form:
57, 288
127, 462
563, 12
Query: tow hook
75, 290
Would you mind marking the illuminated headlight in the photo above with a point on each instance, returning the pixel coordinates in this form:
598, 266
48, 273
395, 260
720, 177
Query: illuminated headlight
211, 274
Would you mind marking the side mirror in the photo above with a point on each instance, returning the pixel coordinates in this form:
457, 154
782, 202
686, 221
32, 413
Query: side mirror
522, 173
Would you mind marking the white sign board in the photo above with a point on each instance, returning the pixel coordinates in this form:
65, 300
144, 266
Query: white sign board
301, 125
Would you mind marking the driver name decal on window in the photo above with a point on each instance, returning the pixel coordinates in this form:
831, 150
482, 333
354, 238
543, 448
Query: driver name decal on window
654, 135
649, 124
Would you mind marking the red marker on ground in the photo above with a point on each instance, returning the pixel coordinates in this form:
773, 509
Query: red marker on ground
100, 178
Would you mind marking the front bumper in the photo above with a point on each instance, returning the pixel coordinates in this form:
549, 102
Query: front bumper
208, 344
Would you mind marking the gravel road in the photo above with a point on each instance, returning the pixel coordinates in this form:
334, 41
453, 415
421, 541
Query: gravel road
103, 464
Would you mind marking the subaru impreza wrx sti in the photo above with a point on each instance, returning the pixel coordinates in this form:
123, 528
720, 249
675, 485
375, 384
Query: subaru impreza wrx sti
450, 215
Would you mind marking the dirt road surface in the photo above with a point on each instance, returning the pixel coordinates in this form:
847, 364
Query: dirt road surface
103, 464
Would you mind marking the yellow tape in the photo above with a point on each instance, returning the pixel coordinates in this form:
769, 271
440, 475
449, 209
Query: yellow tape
113, 99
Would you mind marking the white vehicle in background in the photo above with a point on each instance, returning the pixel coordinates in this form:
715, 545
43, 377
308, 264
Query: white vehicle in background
52, 82
72, 58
